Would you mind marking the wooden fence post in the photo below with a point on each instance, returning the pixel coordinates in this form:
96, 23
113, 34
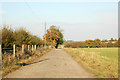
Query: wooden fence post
28, 47
23, 48
14, 50
0, 49
32, 47
35, 47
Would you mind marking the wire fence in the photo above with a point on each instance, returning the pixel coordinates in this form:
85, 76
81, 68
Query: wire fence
13, 55
22, 49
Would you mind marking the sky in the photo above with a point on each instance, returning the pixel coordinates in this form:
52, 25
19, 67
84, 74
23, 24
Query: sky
78, 20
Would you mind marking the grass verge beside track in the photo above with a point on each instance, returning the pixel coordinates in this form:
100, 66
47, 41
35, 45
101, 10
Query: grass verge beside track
103, 62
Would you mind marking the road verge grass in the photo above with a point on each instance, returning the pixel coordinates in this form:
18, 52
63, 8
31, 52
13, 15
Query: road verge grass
100, 61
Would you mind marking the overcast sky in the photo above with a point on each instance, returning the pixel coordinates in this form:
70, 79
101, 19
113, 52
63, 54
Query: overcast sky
79, 20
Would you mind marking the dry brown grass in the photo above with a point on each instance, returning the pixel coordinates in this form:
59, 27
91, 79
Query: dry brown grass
9, 63
101, 66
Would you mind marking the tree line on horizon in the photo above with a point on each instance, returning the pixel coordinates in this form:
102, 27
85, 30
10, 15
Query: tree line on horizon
9, 37
54, 37
18, 37
97, 43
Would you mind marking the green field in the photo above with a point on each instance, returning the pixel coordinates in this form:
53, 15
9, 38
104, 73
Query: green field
103, 62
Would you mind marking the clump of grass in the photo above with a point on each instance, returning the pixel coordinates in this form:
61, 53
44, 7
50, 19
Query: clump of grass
101, 62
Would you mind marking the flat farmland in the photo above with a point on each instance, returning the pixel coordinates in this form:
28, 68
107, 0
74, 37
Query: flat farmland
103, 62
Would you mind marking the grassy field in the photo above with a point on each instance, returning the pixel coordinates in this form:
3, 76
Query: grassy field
103, 62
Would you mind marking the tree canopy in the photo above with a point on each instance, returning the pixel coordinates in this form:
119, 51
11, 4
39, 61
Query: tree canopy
18, 37
54, 36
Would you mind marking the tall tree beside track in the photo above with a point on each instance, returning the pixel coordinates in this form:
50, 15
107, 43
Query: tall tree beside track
22, 37
18, 37
54, 36
7, 37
